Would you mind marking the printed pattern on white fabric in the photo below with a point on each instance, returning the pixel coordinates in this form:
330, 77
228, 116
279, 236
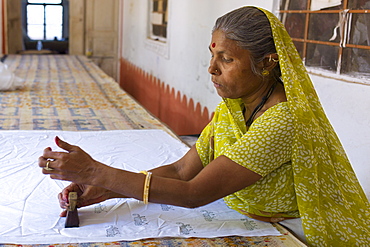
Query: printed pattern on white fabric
30, 208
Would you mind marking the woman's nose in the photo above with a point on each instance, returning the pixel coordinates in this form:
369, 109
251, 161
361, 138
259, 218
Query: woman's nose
212, 69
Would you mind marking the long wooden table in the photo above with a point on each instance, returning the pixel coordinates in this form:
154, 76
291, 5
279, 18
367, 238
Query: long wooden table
63, 92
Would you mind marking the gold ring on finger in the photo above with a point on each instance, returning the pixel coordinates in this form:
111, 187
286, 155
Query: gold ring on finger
47, 166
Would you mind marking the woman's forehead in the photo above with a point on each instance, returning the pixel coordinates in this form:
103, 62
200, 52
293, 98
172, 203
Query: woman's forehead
220, 42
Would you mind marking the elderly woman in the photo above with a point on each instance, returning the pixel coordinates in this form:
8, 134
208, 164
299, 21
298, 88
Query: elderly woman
269, 150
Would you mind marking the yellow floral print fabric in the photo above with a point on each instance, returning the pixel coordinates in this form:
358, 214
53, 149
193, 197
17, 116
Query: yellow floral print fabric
333, 207
266, 149
331, 203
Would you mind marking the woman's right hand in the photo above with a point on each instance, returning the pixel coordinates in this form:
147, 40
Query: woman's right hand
87, 195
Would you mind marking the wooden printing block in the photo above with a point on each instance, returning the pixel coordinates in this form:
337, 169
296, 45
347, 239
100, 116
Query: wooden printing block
72, 219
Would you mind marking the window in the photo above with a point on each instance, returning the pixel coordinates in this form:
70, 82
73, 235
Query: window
158, 20
332, 35
44, 19
157, 36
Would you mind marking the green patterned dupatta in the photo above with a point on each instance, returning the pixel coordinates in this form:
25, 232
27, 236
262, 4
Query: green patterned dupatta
333, 207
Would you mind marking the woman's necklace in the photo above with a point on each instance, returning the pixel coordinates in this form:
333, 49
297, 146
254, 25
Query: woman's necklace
260, 105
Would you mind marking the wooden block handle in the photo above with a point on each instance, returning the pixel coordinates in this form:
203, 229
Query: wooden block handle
72, 198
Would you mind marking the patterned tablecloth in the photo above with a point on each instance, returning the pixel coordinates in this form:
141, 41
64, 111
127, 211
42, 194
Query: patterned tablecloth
63, 92
68, 93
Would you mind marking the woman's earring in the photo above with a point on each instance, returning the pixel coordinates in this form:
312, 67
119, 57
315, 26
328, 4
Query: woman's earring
272, 59
265, 72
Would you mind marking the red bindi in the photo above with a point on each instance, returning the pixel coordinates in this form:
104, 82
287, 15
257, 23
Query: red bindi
213, 45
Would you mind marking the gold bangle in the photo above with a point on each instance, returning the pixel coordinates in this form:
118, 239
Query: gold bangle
146, 186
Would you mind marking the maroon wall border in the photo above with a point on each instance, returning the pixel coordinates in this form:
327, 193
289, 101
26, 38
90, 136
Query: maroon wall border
176, 110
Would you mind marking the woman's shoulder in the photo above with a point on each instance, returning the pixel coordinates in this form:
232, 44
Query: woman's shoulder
279, 112
276, 121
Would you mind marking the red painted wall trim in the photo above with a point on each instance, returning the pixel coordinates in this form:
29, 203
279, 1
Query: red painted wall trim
177, 111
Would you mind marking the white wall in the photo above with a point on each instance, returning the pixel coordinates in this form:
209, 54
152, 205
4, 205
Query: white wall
190, 25
347, 106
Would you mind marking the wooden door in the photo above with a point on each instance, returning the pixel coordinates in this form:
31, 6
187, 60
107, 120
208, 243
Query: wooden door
101, 36
76, 27
14, 35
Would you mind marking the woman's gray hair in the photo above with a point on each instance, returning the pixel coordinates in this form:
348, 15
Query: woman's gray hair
251, 29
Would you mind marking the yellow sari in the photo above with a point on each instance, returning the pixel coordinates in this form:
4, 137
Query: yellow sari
333, 207
331, 203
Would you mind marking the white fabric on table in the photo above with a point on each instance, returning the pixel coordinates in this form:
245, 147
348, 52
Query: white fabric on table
30, 209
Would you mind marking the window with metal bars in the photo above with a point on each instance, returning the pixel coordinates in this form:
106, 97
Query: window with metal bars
332, 35
158, 20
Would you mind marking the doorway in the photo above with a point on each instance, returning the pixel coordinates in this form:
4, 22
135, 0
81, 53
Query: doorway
91, 29
40, 27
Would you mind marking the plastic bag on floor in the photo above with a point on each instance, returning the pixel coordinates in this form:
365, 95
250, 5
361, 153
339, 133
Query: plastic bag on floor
8, 81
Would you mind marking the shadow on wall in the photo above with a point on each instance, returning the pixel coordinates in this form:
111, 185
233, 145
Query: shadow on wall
174, 109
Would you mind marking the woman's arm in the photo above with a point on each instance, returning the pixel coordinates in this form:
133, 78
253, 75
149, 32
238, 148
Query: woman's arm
218, 179
185, 183
184, 169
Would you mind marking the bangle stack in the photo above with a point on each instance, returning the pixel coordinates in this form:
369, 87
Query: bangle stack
146, 186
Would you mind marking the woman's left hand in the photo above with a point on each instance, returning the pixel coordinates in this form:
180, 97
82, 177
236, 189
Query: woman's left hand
87, 195
73, 165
